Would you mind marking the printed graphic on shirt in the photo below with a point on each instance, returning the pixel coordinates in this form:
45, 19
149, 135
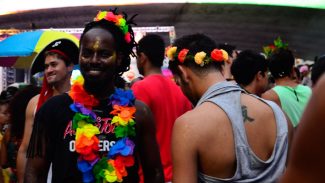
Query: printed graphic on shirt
106, 132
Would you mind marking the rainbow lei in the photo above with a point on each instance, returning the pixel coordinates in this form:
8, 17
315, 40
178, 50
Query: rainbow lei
113, 167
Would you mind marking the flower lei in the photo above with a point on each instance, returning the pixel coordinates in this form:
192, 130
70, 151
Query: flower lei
119, 21
113, 167
201, 58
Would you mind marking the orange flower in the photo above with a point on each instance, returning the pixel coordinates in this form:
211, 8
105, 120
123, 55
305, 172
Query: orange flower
126, 113
217, 55
78, 94
182, 55
85, 145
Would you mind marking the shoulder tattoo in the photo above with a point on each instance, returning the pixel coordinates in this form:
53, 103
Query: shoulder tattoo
245, 114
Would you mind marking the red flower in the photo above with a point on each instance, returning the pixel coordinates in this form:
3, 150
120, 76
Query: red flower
182, 55
217, 55
78, 94
89, 157
111, 17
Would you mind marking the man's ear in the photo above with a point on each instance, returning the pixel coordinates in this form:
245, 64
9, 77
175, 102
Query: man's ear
260, 75
142, 58
184, 73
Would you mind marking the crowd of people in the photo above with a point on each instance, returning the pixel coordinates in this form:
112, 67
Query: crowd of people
225, 116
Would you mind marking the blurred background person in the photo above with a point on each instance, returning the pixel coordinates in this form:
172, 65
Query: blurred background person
287, 93
14, 133
160, 93
305, 75
5, 97
318, 69
250, 71
232, 54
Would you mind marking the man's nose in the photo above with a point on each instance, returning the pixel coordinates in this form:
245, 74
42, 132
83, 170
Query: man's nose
49, 69
94, 58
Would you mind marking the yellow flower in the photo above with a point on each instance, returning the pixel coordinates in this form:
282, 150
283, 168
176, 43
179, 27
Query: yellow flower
110, 176
224, 55
199, 57
77, 80
88, 130
171, 52
120, 121
100, 15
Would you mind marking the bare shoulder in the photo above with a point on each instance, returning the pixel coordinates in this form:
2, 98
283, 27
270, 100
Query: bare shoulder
142, 110
143, 115
271, 95
200, 119
32, 104
33, 101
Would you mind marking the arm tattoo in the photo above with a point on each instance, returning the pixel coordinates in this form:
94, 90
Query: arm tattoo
245, 114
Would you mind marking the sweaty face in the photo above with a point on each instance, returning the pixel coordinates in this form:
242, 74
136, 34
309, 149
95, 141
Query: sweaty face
97, 57
55, 70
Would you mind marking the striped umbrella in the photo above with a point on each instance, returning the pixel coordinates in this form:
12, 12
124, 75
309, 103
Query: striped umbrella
20, 50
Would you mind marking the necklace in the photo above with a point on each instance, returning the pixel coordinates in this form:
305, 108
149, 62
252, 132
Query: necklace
110, 168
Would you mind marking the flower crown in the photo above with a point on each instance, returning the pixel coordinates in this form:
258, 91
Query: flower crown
118, 20
278, 44
201, 58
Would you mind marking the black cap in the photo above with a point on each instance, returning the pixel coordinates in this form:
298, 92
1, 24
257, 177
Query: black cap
68, 47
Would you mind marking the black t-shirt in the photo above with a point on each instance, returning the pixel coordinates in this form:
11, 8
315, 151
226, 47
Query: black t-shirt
53, 131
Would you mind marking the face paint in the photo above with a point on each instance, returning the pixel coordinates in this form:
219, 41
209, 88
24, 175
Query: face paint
96, 45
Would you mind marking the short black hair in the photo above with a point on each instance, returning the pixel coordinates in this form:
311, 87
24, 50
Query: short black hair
281, 63
228, 48
153, 46
318, 69
247, 64
195, 43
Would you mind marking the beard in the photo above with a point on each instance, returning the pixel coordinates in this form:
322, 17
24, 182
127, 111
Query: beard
98, 78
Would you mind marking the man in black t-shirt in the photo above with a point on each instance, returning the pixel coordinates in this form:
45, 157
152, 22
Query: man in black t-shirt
81, 134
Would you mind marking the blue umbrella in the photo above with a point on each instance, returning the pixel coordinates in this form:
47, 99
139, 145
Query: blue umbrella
20, 50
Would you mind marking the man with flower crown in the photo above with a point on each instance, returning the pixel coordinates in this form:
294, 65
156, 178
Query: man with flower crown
230, 136
98, 132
